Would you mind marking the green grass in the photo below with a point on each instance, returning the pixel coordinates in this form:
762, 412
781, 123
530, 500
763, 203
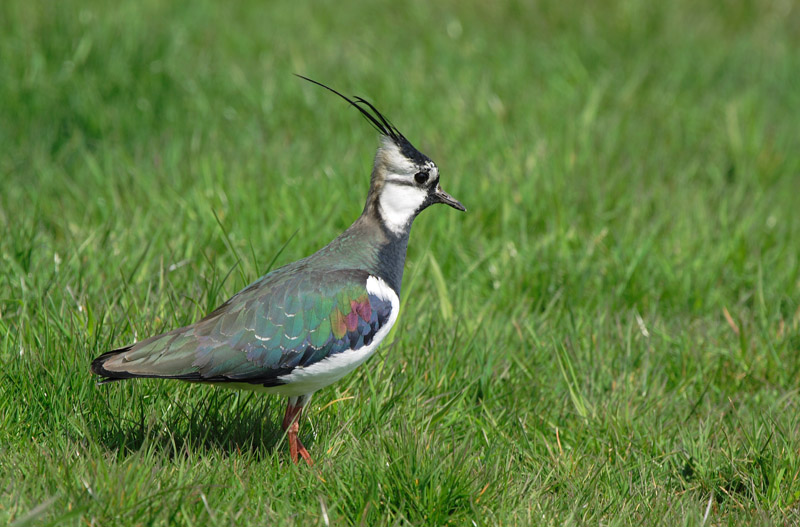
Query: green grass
610, 335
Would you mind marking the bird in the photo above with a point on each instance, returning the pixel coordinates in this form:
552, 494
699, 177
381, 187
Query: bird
305, 325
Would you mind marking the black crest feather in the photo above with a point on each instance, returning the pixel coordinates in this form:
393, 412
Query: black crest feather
375, 118
381, 123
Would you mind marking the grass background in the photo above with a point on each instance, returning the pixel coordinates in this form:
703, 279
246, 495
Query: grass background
609, 336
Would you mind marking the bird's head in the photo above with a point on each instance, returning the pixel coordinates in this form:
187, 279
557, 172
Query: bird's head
404, 180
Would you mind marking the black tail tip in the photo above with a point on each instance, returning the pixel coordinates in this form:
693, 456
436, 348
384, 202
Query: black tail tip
98, 366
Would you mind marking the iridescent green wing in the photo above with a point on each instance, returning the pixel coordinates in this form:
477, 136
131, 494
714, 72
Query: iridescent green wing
280, 322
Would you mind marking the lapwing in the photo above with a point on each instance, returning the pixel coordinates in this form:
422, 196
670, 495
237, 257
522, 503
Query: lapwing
308, 324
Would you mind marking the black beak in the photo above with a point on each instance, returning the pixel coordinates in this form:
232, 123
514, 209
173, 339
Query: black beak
440, 196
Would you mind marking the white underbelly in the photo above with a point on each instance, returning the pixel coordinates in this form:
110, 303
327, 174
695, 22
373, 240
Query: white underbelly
309, 379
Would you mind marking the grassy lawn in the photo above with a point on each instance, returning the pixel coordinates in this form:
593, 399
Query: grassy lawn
609, 336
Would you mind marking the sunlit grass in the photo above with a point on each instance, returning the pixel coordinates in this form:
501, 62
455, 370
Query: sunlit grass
610, 335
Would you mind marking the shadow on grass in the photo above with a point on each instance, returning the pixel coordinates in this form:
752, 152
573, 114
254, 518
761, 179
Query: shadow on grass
221, 421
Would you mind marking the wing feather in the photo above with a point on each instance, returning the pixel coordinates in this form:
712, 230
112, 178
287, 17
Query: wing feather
262, 333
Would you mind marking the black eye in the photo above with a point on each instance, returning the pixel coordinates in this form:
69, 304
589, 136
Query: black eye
421, 177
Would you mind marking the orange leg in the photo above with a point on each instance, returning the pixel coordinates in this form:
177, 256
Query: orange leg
291, 424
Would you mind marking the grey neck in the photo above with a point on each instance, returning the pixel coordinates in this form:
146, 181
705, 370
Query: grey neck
369, 245
392, 257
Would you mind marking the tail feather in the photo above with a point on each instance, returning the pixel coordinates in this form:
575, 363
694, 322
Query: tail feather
110, 376
98, 368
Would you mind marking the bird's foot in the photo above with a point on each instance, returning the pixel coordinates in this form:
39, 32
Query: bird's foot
291, 423
296, 447
303, 453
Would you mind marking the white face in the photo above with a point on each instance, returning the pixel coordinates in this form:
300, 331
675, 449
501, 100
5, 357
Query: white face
403, 192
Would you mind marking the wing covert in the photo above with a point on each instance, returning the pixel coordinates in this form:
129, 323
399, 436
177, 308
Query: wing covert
266, 331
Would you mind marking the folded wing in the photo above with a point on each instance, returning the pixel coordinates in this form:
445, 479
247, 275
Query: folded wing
279, 323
